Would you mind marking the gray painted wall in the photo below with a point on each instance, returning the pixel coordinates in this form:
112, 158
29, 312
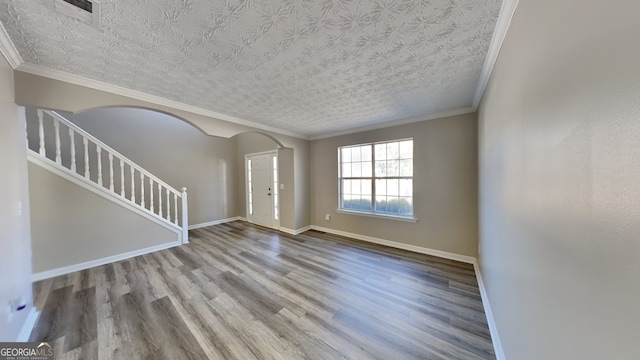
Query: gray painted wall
37, 91
559, 191
42, 92
445, 185
72, 225
302, 178
174, 151
287, 195
15, 238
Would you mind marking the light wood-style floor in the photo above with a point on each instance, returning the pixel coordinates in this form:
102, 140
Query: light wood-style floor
238, 291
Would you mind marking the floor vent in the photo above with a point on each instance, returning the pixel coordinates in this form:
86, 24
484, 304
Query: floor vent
87, 11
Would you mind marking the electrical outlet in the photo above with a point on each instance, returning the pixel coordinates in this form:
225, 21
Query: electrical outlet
327, 217
281, 186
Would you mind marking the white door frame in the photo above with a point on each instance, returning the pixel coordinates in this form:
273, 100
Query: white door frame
276, 191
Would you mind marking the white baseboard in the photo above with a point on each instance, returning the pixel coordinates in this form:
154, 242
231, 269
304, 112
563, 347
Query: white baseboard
215, 222
106, 260
295, 232
397, 245
29, 323
495, 338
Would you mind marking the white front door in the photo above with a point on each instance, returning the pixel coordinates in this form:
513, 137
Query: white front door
262, 179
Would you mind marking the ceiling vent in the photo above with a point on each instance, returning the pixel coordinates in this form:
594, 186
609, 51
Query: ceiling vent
87, 11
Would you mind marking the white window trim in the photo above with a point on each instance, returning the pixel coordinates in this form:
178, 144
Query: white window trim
374, 214
378, 215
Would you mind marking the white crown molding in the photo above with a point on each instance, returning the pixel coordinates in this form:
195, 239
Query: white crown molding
493, 329
507, 11
461, 111
138, 95
8, 49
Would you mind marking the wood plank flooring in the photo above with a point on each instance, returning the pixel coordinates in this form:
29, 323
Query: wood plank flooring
238, 291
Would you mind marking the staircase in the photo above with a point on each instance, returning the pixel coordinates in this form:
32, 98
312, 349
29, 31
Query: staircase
62, 147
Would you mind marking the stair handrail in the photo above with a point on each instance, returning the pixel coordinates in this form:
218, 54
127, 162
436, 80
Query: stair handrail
123, 160
111, 150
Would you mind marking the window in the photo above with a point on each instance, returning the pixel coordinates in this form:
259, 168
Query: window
377, 178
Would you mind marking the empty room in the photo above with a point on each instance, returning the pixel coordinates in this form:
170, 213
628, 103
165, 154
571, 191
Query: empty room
330, 179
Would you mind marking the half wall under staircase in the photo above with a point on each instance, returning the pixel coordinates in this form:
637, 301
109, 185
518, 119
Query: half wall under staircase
90, 205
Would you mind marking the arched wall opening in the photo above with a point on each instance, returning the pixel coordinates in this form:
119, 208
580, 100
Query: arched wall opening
48, 93
174, 150
143, 110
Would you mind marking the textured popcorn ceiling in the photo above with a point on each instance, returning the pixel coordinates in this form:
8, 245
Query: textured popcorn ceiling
307, 66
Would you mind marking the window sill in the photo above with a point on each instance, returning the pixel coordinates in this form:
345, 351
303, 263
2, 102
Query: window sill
378, 215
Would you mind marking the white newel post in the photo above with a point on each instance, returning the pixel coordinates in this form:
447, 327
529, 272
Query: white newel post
185, 217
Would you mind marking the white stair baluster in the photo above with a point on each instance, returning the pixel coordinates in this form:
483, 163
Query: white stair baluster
72, 140
99, 152
175, 209
121, 177
56, 126
168, 206
156, 201
42, 150
142, 189
151, 194
160, 200
111, 171
185, 218
133, 184
85, 142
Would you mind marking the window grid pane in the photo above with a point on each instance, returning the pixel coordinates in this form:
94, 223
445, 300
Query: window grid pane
388, 166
